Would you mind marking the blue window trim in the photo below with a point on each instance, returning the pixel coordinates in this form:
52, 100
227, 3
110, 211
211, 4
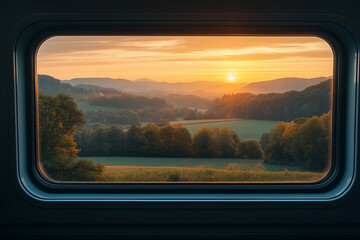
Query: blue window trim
336, 186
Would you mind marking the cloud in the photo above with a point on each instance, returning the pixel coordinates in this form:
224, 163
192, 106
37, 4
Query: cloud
150, 44
154, 55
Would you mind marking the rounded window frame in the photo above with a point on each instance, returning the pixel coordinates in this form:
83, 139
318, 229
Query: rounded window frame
31, 39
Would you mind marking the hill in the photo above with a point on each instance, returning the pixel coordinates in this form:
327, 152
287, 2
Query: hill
144, 80
314, 100
52, 86
179, 100
94, 88
142, 86
207, 89
281, 85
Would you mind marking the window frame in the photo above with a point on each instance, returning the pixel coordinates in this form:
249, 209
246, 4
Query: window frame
344, 107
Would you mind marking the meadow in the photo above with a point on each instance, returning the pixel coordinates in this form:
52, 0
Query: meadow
213, 163
84, 106
183, 174
244, 128
147, 169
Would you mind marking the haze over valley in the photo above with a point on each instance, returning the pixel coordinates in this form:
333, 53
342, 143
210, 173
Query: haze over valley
207, 89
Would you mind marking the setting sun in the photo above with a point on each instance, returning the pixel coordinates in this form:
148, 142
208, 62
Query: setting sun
231, 77
185, 58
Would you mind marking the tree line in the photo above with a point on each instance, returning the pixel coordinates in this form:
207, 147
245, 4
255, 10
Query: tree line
53, 86
312, 101
63, 138
128, 101
287, 106
158, 116
166, 141
303, 142
126, 117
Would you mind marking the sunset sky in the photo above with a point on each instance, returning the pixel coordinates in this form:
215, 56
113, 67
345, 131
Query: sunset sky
183, 59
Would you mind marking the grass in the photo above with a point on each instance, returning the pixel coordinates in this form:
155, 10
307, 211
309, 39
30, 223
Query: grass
183, 174
214, 163
146, 169
244, 128
84, 106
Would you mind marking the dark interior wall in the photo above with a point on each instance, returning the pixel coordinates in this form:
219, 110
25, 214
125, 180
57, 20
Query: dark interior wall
20, 217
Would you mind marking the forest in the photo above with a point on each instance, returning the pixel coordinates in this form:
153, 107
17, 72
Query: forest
52, 86
301, 138
303, 142
166, 141
158, 116
128, 101
312, 101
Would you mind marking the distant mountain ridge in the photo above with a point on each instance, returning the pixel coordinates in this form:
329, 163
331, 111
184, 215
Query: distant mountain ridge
282, 85
95, 88
144, 80
205, 89
145, 87
312, 101
50, 85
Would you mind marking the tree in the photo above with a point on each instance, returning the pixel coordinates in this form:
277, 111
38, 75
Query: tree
315, 142
203, 143
290, 140
85, 170
58, 119
116, 139
190, 114
304, 142
275, 149
82, 138
225, 142
152, 146
182, 142
250, 149
264, 140
167, 137
134, 141
175, 141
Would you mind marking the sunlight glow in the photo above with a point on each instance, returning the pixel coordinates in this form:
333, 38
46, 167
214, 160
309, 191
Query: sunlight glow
231, 77
185, 58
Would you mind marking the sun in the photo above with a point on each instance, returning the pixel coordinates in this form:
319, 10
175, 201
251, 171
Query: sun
231, 77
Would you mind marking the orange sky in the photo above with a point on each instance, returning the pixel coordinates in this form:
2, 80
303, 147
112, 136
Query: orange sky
185, 58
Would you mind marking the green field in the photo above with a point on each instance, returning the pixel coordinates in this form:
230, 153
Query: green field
146, 169
245, 129
180, 174
84, 106
214, 163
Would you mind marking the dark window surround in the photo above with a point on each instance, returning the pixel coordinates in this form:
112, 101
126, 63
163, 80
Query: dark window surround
344, 107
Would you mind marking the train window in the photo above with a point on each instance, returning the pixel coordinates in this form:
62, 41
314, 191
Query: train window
185, 109
230, 111
178, 119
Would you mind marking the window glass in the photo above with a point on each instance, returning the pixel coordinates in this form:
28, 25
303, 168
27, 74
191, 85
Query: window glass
184, 109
